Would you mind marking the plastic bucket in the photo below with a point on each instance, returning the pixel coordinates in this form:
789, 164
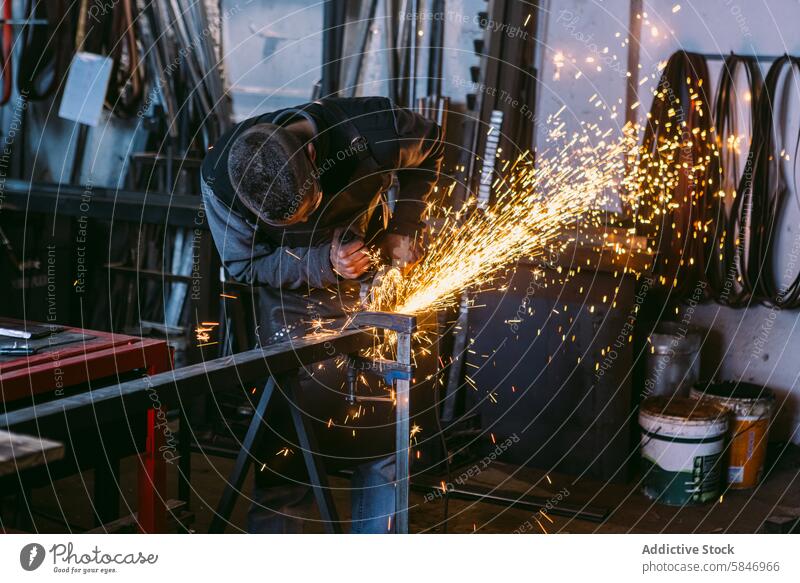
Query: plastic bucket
673, 360
751, 410
682, 446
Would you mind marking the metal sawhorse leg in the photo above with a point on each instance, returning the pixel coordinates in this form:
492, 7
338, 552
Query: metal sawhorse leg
305, 435
399, 373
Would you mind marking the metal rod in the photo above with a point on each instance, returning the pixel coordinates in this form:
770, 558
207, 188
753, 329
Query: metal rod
436, 48
634, 34
414, 55
459, 354
178, 385
508, 499
23, 22
243, 461
107, 203
391, 25
307, 441
759, 58
353, 82
185, 456
332, 36
401, 50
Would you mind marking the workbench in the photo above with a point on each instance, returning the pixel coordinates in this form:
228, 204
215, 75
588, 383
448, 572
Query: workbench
278, 364
77, 362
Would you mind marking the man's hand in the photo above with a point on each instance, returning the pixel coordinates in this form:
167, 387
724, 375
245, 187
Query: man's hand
403, 251
348, 259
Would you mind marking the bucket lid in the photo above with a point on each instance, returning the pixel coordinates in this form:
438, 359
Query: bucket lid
742, 398
734, 390
682, 408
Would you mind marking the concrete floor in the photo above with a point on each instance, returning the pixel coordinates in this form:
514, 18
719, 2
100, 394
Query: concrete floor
628, 510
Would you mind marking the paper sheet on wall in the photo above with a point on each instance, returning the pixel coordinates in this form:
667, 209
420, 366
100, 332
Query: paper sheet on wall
85, 91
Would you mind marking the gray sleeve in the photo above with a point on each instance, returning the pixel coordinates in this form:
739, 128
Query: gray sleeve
257, 263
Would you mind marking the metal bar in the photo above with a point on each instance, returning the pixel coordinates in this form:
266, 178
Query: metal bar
402, 432
152, 471
332, 36
104, 203
243, 461
413, 49
634, 36
509, 499
24, 22
185, 383
184, 459
316, 470
152, 479
390, 26
436, 50
514, 74
491, 145
401, 52
80, 150
368, 399
396, 322
378, 366
182, 262
759, 58
148, 273
355, 66
454, 374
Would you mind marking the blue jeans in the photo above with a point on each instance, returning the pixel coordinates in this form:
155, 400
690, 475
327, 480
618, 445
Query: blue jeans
282, 509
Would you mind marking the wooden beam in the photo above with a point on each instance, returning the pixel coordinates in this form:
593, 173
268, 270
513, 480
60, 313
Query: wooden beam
19, 452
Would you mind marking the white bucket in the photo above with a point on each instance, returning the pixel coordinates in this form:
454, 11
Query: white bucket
682, 444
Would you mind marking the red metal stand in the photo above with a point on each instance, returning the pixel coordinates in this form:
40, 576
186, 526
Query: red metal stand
105, 356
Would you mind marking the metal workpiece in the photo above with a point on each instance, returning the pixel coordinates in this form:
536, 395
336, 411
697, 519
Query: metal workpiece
369, 281
403, 323
176, 386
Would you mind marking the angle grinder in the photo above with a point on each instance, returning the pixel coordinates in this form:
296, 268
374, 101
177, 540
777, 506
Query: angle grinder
378, 284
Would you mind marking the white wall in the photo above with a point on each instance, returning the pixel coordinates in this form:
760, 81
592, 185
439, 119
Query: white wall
273, 52
583, 54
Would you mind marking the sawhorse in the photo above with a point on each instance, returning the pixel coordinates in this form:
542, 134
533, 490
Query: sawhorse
395, 372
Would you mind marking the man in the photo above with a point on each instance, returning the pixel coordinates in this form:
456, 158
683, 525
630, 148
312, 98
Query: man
298, 202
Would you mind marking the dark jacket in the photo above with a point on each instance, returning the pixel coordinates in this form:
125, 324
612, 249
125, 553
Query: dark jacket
360, 143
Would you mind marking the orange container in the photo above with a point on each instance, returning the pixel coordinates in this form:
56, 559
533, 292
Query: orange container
751, 412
